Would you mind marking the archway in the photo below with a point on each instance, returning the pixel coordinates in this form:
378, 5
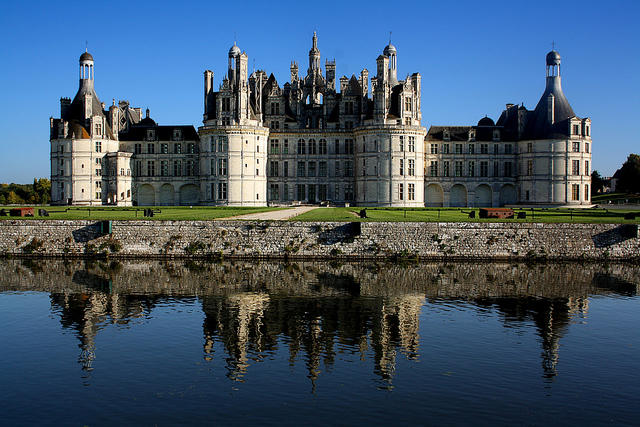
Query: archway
483, 196
167, 195
435, 196
458, 196
508, 195
189, 195
146, 195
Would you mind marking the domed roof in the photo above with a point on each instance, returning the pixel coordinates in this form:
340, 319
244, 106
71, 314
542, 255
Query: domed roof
486, 121
389, 49
553, 58
235, 50
86, 56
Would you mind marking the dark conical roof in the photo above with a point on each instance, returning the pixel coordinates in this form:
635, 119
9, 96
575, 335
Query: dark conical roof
538, 126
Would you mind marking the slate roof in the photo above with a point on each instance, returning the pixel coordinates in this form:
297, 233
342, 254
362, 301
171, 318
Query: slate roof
138, 132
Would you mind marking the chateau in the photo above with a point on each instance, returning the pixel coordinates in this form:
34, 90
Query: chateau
308, 142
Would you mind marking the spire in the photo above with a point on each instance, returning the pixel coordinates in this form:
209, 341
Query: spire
314, 54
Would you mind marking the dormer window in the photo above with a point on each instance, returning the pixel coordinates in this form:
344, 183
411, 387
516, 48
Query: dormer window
151, 134
98, 129
446, 135
586, 130
496, 135
576, 130
472, 135
177, 134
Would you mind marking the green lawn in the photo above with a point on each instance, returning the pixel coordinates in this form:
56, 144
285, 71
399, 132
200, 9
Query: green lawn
462, 214
615, 198
160, 212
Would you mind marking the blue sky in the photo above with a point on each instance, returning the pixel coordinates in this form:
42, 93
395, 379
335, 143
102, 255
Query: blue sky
474, 58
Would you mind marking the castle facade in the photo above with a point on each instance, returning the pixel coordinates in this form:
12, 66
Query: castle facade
308, 142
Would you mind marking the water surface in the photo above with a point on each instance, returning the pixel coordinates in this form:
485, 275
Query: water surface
316, 343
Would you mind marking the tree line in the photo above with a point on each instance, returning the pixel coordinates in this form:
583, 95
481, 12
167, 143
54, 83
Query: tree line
628, 177
37, 193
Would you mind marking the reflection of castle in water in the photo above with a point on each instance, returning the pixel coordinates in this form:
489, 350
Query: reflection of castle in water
316, 310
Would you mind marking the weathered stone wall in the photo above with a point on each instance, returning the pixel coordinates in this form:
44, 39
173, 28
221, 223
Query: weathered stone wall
323, 240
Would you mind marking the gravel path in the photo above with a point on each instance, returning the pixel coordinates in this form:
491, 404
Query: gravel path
280, 215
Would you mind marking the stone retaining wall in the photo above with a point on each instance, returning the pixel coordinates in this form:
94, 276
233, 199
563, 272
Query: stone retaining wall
271, 239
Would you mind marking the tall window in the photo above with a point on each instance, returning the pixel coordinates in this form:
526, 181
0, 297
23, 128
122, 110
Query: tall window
508, 169
177, 168
401, 143
190, 168
151, 168
401, 191
412, 167
575, 191
445, 148
312, 169
285, 146
496, 149
576, 147
164, 168
222, 167
586, 167
177, 148
301, 146
401, 167
137, 148
151, 148
98, 146
273, 168
275, 108
575, 167
484, 148
412, 192
223, 144
412, 144
322, 146
222, 191
301, 169
336, 146
586, 146
312, 146
433, 169
445, 169
458, 171
508, 148
348, 169
484, 168
472, 168
274, 146
496, 169
322, 169
164, 148
349, 146
285, 168
300, 192
434, 148
458, 148
576, 129
586, 192
529, 167
273, 192
529, 147
191, 148
472, 149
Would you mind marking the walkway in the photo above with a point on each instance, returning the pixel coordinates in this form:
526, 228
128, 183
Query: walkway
280, 215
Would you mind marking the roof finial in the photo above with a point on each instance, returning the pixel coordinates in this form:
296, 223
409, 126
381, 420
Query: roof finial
390, 37
86, 45
553, 45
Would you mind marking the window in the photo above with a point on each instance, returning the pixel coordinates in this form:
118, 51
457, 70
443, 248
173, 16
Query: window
508, 149
273, 168
151, 134
137, 168
300, 192
177, 168
322, 169
98, 129
137, 148
322, 192
508, 169
301, 146
401, 191
348, 107
322, 147
586, 146
348, 192
586, 167
576, 129
484, 148
274, 146
529, 147
586, 192
527, 195
412, 192
445, 148
412, 167
98, 146
484, 168
151, 168
164, 168
223, 144
275, 108
458, 148
273, 192
434, 148
312, 169
349, 146
285, 191
151, 148
348, 125
458, 171
212, 167
191, 148
496, 149
408, 104
213, 145
586, 130
222, 167
433, 169
222, 191
337, 168
472, 148
445, 168
575, 167
348, 169
312, 146
177, 134
336, 146
164, 148
446, 135
496, 169
401, 167
285, 168
576, 147
177, 148
575, 191
285, 146
401, 144
529, 167
412, 144
472, 168
496, 135
301, 169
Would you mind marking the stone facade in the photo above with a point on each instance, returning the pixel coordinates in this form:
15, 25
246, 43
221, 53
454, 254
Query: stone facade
318, 139
263, 239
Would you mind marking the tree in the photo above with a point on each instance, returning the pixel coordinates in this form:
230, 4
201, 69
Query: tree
629, 175
597, 183
13, 198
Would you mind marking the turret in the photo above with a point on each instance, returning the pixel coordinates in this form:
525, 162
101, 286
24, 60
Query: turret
294, 72
314, 55
390, 51
330, 69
